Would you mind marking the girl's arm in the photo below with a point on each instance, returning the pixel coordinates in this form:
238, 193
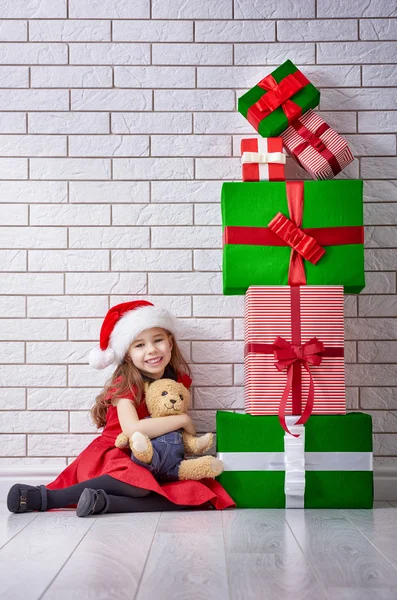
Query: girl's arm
130, 422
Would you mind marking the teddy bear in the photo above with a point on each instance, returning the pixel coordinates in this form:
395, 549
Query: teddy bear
164, 455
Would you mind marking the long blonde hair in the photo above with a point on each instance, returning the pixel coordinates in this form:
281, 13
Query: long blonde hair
127, 378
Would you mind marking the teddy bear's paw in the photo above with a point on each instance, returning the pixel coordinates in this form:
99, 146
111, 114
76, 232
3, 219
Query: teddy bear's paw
139, 442
216, 466
204, 442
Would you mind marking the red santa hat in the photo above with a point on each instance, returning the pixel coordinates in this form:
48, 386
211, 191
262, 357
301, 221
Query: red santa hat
122, 325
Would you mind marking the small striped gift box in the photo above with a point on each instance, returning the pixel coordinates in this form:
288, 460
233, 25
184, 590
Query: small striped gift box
294, 346
263, 159
321, 151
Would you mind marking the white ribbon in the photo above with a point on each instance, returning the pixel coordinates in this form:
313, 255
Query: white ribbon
263, 158
294, 461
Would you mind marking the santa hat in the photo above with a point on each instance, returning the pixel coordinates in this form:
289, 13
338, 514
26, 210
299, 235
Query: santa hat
121, 326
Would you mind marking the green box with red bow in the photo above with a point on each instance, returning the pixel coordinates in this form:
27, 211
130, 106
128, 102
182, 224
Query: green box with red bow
278, 100
293, 233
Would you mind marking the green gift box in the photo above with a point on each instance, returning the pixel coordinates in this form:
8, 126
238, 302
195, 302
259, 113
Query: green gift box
278, 100
336, 466
275, 233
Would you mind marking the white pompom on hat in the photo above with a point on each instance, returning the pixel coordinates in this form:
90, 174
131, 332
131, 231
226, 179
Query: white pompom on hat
122, 325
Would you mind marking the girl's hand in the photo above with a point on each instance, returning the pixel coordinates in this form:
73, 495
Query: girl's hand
188, 425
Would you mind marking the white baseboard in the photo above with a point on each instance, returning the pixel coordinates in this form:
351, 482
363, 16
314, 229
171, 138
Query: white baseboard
385, 479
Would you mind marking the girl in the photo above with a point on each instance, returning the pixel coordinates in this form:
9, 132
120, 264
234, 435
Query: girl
140, 339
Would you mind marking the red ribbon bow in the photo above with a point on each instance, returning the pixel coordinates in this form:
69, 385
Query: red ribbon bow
295, 237
278, 94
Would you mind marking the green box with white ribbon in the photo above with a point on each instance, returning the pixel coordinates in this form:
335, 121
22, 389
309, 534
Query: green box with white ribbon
329, 464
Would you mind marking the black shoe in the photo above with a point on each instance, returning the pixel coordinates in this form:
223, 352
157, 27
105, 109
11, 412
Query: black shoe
89, 500
18, 500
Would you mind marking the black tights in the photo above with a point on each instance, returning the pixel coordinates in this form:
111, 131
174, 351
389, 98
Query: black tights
123, 496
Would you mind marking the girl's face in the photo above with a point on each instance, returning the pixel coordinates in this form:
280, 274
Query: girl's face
151, 351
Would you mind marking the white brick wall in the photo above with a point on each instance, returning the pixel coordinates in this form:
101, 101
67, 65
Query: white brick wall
118, 124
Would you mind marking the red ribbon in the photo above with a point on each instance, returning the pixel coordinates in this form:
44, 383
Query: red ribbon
290, 356
278, 94
313, 139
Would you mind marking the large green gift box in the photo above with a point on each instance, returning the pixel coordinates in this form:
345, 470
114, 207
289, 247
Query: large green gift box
337, 470
278, 100
293, 233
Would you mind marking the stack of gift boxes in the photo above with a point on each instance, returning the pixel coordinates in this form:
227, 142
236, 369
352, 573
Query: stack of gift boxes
293, 248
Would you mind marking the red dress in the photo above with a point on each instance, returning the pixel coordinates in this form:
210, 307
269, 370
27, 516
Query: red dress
101, 457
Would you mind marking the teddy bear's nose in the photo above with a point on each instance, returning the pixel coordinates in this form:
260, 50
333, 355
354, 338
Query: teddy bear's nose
173, 401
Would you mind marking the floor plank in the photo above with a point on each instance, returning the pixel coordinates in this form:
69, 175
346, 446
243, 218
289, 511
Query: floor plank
340, 555
108, 562
264, 558
190, 522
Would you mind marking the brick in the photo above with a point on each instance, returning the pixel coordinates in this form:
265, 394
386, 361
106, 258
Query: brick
60, 399
219, 398
12, 352
352, 398
108, 192
34, 422
205, 329
33, 375
109, 9
207, 260
71, 77
71, 122
34, 99
13, 445
350, 352
372, 145
32, 283
12, 122
32, 237
109, 145
273, 54
152, 168
218, 352
378, 122
66, 306
85, 329
13, 400
356, 52
20, 9
379, 283
184, 283
151, 123
238, 374
380, 75
186, 191
204, 421
213, 306
33, 54
238, 329
378, 306
378, 260
109, 54
151, 260
367, 374
383, 421
208, 375
378, 397
13, 168
12, 260
12, 306
192, 54
358, 99
18, 216
350, 306
190, 145
218, 122
313, 31
355, 8
33, 191
342, 122
111, 100
380, 214
370, 329
57, 352
154, 77
380, 191
70, 168
377, 352
81, 422
235, 31
378, 29
106, 283
189, 237
83, 376
197, 100
53, 214
190, 9
218, 168
109, 237
69, 31
380, 237
147, 214
68, 260
13, 31
379, 168
153, 31
32, 145
385, 444
255, 9
33, 329
179, 306
207, 214
58, 445
14, 77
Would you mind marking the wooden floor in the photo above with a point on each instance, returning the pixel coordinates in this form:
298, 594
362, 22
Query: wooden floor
236, 554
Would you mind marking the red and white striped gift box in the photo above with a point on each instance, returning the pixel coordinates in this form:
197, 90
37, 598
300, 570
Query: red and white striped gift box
263, 159
317, 147
296, 314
